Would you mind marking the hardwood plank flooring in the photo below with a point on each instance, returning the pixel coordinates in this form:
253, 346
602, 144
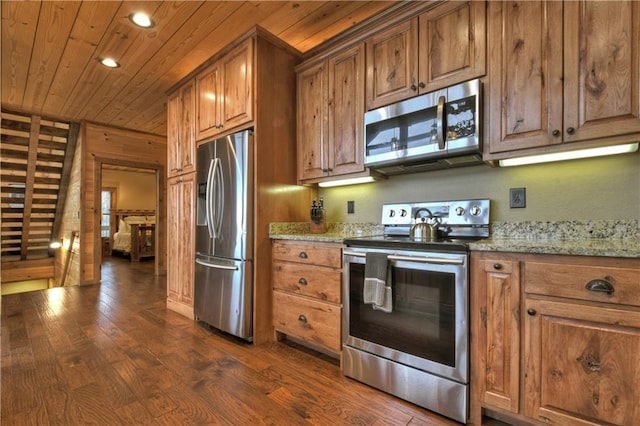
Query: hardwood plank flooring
112, 354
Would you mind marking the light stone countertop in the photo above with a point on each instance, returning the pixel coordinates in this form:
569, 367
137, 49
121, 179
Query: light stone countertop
610, 238
336, 232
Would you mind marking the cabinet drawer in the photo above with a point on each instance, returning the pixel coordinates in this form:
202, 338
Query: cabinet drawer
572, 281
319, 282
321, 254
309, 320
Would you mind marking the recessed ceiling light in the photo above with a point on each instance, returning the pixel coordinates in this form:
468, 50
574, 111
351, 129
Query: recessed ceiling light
109, 62
141, 19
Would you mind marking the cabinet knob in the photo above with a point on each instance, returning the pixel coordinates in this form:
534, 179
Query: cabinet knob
414, 87
531, 311
421, 85
302, 319
497, 266
556, 133
302, 255
325, 170
570, 130
302, 281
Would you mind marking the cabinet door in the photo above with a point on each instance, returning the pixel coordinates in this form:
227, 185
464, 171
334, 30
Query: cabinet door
497, 324
602, 63
237, 77
181, 143
346, 112
392, 64
180, 238
209, 90
581, 364
173, 134
452, 43
187, 142
312, 122
525, 75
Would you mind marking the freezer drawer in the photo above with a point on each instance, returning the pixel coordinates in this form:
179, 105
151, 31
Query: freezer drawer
223, 296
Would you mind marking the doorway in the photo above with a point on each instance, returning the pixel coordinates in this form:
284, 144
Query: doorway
130, 191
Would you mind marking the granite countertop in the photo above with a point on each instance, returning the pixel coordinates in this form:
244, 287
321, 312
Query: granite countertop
610, 238
336, 232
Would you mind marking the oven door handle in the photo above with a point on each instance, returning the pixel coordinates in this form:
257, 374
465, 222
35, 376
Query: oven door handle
424, 259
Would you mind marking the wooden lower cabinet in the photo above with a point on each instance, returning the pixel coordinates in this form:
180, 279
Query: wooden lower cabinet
181, 243
555, 339
307, 300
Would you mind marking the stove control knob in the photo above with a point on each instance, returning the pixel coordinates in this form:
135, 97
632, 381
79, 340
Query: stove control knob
459, 211
403, 213
392, 213
475, 210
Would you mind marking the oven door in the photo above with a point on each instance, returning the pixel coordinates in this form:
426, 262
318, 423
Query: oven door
427, 327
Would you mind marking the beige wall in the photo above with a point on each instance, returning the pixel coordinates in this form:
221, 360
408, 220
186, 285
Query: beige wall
135, 190
591, 189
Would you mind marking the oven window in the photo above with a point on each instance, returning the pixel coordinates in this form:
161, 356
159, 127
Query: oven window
422, 321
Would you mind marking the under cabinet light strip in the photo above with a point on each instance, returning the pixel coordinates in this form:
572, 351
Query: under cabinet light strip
343, 182
571, 155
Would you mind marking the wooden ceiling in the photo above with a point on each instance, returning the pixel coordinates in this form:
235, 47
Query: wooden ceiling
50, 50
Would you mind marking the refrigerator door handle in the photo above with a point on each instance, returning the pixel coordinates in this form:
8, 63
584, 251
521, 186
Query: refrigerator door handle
209, 196
218, 198
215, 265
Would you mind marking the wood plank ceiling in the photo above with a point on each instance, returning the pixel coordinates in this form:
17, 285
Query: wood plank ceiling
50, 50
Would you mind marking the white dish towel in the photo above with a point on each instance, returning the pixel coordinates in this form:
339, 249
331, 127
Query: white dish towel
376, 291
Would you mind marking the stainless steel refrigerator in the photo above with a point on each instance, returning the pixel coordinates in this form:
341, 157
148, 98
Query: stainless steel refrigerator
223, 294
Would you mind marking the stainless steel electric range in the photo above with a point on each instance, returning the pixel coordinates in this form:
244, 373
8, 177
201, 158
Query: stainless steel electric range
406, 304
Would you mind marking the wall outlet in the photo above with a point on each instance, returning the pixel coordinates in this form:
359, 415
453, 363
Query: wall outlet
351, 207
517, 198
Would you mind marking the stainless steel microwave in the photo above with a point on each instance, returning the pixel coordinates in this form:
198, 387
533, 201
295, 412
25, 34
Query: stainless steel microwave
432, 131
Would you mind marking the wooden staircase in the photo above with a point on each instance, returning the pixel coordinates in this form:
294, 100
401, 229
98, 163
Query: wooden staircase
36, 154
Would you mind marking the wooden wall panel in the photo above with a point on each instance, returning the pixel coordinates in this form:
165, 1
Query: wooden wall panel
70, 222
102, 144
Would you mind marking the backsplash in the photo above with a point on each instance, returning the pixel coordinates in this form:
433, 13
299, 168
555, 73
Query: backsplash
567, 229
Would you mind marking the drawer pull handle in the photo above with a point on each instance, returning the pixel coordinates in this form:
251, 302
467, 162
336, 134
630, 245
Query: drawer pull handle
531, 311
302, 319
302, 281
497, 266
601, 286
302, 255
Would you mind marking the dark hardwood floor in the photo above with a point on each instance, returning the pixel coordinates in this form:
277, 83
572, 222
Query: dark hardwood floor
112, 354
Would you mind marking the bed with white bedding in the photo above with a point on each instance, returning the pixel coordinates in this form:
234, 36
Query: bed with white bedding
135, 236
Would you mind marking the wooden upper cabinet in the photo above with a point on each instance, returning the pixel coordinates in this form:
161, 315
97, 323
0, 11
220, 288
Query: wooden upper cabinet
602, 69
562, 72
452, 44
181, 142
225, 92
442, 47
209, 87
346, 112
312, 121
237, 78
392, 64
331, 116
